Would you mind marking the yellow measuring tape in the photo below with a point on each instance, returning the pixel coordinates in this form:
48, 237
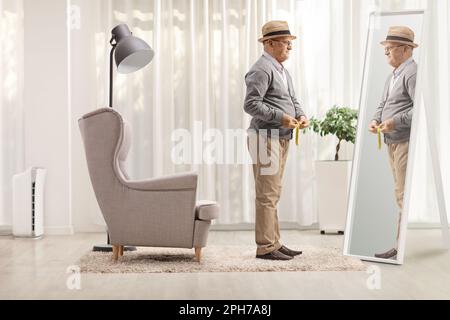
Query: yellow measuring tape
297, 131
379, 139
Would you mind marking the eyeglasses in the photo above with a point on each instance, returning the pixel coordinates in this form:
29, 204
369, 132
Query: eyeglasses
286, 43
389, 49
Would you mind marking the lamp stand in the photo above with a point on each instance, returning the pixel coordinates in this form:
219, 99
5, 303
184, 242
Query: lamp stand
108, 247
111, 70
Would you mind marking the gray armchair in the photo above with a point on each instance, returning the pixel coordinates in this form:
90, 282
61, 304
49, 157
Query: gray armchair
160, 212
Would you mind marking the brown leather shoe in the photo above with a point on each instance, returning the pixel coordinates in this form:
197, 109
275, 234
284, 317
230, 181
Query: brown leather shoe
391, 254
274, 255
292, 253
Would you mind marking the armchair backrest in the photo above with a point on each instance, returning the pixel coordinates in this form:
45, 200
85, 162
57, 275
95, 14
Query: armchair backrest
106, 141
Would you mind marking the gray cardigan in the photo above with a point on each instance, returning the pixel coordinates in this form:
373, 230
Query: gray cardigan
399, 103
267, 98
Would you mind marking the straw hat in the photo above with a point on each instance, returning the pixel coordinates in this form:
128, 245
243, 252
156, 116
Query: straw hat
275, 29
399, 34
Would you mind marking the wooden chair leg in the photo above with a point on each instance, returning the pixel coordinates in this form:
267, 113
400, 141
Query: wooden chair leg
121, 251
198, 254
115, 252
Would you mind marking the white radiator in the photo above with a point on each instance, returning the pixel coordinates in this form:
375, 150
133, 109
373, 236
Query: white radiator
28, 203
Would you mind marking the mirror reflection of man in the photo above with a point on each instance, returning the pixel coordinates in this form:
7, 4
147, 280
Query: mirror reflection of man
272, 103
394, 114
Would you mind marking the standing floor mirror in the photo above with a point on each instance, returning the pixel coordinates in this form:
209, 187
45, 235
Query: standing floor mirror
375, 222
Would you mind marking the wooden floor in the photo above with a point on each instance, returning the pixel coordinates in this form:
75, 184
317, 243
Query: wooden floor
38, 270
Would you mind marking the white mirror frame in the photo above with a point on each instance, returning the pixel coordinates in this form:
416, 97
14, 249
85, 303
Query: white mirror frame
357, 150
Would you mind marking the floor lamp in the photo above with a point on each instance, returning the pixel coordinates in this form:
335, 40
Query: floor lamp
131, 54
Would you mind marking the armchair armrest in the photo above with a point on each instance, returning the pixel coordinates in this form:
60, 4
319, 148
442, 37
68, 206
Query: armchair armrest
206, 210
178, 182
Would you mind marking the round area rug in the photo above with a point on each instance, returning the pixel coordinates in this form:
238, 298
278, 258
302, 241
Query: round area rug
216, 259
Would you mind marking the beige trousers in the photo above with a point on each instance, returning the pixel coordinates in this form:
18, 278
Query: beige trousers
269, 157
398, 155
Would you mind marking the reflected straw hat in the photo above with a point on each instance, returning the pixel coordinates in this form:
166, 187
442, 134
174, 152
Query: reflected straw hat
276, 29
400, 34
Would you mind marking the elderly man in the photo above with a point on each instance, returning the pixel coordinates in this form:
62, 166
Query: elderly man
393, 116
272, 103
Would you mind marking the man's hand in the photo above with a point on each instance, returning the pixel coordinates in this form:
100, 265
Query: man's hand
373, 127
387, 126
289, 122
303, 122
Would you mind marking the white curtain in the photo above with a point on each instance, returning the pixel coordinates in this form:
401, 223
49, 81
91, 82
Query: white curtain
434, 98
11, 102
196, 82
203, 50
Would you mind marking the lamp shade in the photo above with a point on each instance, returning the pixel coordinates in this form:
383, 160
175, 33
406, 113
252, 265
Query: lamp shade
131, 53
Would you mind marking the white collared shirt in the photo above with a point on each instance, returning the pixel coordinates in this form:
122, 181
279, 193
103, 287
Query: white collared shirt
279, 67
397, 72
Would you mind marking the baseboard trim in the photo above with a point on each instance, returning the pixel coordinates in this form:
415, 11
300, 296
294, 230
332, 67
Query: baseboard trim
424, 225
59, 231
251, 226
315, 226
5, 230
218, 227
90, 229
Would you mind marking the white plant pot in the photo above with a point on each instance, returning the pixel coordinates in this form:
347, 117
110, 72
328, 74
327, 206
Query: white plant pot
333, 180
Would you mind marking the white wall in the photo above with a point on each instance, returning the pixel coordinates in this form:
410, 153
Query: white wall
46, 105
11, 104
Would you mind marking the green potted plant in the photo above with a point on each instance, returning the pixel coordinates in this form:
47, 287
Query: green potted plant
333, 177
340, 122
